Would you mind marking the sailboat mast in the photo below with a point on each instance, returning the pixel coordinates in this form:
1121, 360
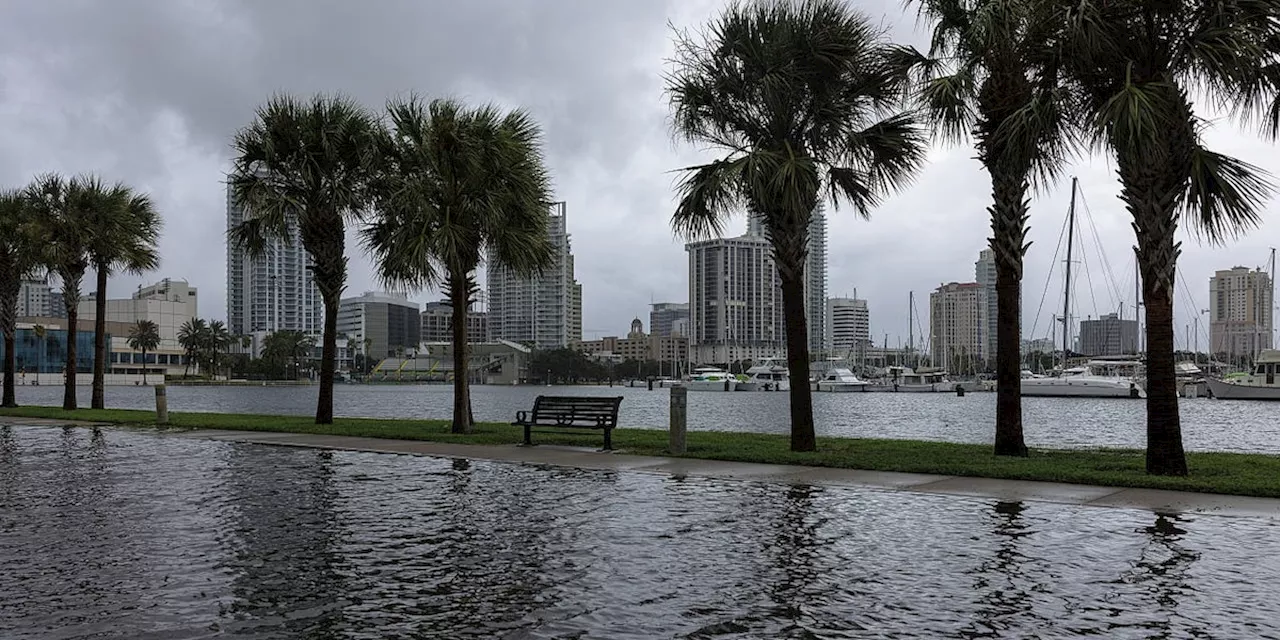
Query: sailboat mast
1271, 313
1066, 294
911, 332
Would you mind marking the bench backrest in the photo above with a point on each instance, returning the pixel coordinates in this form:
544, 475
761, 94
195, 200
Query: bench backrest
582, 411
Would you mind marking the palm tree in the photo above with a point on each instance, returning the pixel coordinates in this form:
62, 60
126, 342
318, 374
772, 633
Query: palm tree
40, 332
216, 341
63, 209
190, 336
803, 97
20, 257
1136, 64
144, 336
304, 167
459, 184
126, 228
993, 74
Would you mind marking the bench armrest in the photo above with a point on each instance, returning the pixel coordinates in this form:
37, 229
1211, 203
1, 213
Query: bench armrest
521, 417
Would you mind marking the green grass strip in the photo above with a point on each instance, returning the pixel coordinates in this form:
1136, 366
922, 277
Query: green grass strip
1223, 473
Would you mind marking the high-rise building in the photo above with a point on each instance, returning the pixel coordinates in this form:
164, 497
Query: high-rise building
815, 281
536, 310
735, 301
664, 316
1241, 312
57, 305
575, 311
34, 296
388, 320
437, 323
955, 332
274, 292
985, 275
1109, 335
849, 326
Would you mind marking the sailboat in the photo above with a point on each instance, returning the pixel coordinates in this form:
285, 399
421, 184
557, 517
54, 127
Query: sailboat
1095, 379
1263, 381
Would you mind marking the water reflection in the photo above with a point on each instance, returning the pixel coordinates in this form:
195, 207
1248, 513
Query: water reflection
284, 534
1005, 582
1164, 569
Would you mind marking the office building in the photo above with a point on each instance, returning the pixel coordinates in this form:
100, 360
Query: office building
1109, 335
57, 305
34, 297
575, 310
273, 292
955, 331
985, 275
169, 303
384, 323
664, 317
437, 323
849, 326
735, 295
539, 310
638, 346
1241, 312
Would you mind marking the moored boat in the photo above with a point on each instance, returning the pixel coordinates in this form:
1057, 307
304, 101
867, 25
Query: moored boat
1259, 384
840, 381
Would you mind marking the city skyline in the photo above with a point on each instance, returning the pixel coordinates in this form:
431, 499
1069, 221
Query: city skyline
86, 98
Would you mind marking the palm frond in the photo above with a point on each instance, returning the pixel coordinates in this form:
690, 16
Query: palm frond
708, 195
1225, 195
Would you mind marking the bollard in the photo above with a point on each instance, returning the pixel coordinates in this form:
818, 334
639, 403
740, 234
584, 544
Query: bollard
679, 411
162, 406
651, 383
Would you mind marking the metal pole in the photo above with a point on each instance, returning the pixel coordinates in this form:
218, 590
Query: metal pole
1066, 297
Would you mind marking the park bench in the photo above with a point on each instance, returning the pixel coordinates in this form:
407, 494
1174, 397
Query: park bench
576, 412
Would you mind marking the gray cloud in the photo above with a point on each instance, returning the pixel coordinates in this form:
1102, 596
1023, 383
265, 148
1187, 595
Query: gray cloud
150, 91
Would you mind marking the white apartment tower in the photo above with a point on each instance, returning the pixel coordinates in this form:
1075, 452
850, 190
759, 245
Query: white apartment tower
274, 292
35, 298
1241, 312
542, 310
955, 326
815, 272
849, 326
985, 275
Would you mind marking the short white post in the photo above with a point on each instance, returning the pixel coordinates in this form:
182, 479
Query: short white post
162, 405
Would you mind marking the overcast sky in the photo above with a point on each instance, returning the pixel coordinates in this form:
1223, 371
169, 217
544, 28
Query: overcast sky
150, 92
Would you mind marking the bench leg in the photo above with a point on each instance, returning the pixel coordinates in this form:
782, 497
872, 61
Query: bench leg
528, 435
608, 439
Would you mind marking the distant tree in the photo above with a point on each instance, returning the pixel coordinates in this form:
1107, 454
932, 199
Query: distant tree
191, 337
144, 336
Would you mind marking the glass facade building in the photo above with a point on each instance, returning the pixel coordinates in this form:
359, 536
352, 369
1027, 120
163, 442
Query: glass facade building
31, 356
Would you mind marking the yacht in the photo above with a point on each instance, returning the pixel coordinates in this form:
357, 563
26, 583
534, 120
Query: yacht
766, 376
1095, 379
908, 380
840, 381
710, 379
1263, 383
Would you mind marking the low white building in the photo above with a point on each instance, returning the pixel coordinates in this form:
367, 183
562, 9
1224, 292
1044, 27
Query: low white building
168, 303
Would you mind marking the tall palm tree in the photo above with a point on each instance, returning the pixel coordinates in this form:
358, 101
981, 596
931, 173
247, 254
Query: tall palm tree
804, 98
217, 339
144, 336
994, 74
190, 336
1136, 64
20, 257
126, 227
459, 184
303, 168
63, 208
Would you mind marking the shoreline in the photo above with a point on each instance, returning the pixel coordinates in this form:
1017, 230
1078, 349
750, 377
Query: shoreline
1234, 474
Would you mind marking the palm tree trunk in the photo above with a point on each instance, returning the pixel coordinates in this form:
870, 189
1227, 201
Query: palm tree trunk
98, 399
328, 360
10, 370
458, 295
1165, 455
802, 433
69, 383
144, 367
1008, 243
8, 326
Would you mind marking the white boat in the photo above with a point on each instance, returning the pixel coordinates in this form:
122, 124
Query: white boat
711, 379
1096, 379
840, 381
907, 380
1260, 384
766, 376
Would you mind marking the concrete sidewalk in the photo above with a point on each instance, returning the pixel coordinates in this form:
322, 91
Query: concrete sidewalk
585, 458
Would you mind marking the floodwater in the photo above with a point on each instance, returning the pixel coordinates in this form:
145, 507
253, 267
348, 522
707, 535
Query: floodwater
1217, 425
110, 533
